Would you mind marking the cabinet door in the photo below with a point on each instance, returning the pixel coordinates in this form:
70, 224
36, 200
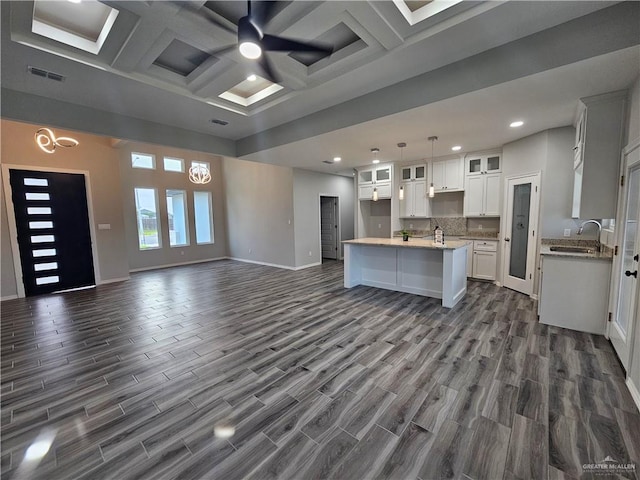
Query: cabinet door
474, 166
383, 174
384, 190
470, 260
405, 174
438, 175
484, 265
365, 192
420, 172
365, 177
492, 164
474, 196
492, 194
406, 205
454, 175
420, 199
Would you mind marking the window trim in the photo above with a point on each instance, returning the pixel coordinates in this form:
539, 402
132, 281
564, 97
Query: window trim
186, 218
153, 160
164, 164
158, 219
211, 219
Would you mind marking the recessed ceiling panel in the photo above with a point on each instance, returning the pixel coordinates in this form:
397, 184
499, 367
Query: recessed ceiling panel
249, 92
340, 36
83, 25
416, 4
234, 10
181, 58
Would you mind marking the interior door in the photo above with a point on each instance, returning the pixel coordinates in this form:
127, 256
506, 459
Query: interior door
622, 327
52, 223
329, 227
522, 200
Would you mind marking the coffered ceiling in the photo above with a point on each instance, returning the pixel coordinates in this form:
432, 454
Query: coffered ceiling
400, 71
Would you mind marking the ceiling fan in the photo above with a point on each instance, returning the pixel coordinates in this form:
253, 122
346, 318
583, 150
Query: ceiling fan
253, 43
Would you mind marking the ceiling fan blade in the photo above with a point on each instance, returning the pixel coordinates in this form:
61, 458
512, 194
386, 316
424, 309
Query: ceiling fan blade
268, 70
281, 44
219, 51
262, 12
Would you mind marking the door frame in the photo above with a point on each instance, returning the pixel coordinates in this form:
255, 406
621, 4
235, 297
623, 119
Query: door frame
339, 229
617, 267
534, 226
13, 231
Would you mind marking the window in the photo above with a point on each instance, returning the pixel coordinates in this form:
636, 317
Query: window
173, 164
201, 164
147, 217
177, 211
143, 160
203, 217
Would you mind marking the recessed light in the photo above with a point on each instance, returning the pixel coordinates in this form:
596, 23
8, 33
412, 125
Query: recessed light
519, 123
337, 159
376, 161
456, 148
75, 1
252, 77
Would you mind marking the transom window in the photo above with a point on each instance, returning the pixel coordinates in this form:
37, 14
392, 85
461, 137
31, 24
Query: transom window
143, 160
173, 164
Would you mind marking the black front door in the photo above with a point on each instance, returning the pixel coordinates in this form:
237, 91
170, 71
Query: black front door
52, 221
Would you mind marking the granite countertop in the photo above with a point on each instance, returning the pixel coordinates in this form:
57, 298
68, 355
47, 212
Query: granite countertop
606, 254
412, 243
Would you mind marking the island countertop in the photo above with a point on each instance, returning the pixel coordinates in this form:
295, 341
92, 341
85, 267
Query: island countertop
411, 243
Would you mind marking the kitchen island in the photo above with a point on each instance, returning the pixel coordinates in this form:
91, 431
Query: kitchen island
417, 266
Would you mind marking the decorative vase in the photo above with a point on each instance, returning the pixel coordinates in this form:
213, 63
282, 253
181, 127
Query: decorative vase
405, 238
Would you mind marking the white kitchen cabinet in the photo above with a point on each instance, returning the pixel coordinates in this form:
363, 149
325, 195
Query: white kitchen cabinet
447, 175
574, 293
485, 259
483, 164
378, 178
415, 203
599, 137
482, 195
413, 173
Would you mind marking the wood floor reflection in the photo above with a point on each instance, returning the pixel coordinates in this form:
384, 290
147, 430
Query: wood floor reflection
228, 370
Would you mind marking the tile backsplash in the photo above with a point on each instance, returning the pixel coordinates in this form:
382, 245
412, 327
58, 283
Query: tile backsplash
451, 226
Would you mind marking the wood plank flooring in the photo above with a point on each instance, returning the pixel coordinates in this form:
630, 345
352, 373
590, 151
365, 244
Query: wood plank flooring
141, 379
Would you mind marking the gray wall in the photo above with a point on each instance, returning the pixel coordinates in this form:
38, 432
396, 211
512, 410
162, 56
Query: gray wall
259, 212
93, 154
633, 125
307, 189
161, 181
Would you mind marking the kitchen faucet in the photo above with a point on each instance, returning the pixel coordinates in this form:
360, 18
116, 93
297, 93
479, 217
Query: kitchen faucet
599, 231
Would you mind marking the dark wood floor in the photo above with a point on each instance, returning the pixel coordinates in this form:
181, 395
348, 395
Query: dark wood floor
134, 380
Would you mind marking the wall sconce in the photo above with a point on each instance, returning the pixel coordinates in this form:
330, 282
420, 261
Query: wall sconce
199, 174
375, 194
47, 141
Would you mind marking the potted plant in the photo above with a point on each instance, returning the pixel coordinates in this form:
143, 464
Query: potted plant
405, 235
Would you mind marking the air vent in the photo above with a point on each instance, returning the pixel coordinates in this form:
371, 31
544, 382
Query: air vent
39, 72
219, 122
328, 162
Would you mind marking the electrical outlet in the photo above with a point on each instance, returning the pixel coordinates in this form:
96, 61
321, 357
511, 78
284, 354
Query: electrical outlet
567, 232
411, 225
480, 226
379, 225
249, 250
181, 252
309, 252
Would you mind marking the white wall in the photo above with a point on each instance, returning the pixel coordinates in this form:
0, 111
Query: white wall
633, 124
307, 189
259, 212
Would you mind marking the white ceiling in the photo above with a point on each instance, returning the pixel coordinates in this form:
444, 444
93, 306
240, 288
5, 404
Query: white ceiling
462, 74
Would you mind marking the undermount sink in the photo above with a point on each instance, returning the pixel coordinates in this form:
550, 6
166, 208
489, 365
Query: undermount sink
571, 249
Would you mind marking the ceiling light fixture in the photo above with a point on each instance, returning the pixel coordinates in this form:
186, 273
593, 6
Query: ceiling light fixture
252, 78
456, 148
516, 124
199, 174
432, 190
249, 37
375, 152
337, 159
47, 141
401, 145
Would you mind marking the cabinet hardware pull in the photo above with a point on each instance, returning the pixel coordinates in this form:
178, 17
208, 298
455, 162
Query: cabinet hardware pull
507, 239
635, 257
629, 273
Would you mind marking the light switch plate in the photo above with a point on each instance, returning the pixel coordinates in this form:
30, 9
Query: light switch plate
567, 232
104, 226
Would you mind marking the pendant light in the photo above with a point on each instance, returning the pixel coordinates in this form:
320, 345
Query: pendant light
375, 194
432, 190
401, 145
48, 142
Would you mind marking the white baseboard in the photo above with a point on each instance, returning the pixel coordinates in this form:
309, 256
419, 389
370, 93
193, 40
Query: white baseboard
301, 267
114, 280
534, 296
8, 297
634, 392
180, 264
266, 264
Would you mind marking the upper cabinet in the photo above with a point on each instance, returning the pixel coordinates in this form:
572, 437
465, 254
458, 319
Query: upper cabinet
447, 175
482, 186
413, 183
599, 136
413, 173
374, 179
